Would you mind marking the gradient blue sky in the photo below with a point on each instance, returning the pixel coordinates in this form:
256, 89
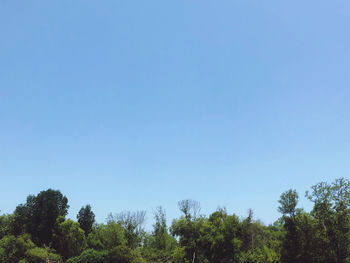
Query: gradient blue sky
128, 105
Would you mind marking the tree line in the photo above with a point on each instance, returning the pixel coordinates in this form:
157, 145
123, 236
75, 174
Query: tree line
38, 231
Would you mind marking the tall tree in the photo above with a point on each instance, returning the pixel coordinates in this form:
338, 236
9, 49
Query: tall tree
40, 213
290, 249
189, 228
288, 203
20, 220
159, 245
332, 212
86, 219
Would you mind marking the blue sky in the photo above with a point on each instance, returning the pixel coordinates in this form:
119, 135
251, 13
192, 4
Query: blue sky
127, 105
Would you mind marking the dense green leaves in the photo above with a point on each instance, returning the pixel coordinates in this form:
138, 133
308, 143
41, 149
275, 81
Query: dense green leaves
107, 236
86, 219
91, 256
159, 245
13, 249
41, 255
132, 224
39, 232
332, 213
69, 238
5, 225
38, 216
124, 254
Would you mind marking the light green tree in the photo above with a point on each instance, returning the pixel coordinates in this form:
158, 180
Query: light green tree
69, 238
13, 249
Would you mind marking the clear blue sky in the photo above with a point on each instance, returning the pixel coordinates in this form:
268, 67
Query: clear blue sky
128, 105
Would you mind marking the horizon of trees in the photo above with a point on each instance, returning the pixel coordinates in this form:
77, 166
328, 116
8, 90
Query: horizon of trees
38, 231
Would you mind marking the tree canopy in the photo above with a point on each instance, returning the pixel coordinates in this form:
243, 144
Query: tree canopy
38, 231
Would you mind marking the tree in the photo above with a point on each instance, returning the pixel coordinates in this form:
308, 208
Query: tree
41, 255
90, 256
20, 220
220, 237
332, 213
133, 225
159, 245
86, 219
107, 236
319, 236
69, 238
5, 225
13, 249
39, 214
124, 254
189, 229
307, 237
190, 208
160, 231
288, 202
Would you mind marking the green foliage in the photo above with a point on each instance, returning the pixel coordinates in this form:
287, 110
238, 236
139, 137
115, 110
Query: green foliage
38, 216
288, 202
5, 225
220, 236
118, 254
91, 256
107, 236
160, 231
178, 255
86, 219
20, 220
13, 249
41, 255
159, 246
214, 239
332, 213
132, 223
69, 238
124, 254
319, 236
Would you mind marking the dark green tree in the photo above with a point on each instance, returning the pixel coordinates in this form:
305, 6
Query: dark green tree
86, 219
332, 213
38, 215
189, 228
290, 249
20, 220
220, 239
5, 225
